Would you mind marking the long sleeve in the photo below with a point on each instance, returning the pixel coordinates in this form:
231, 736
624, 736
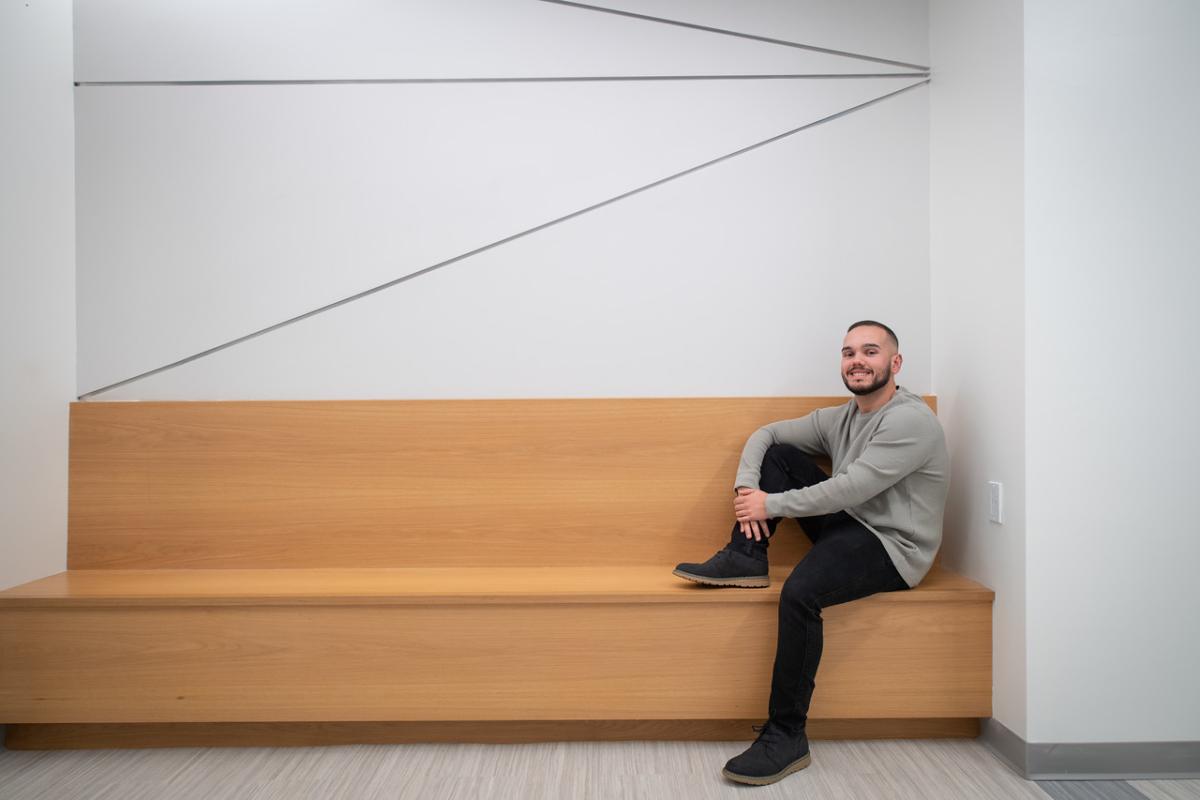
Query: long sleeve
904, 442
804, 433
891, 472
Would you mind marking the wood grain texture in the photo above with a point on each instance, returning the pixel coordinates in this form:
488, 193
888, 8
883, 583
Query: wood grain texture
258, 484
422, 586
432, 564
479, 662
311, 734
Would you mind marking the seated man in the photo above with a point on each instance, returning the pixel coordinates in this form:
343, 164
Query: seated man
875, 525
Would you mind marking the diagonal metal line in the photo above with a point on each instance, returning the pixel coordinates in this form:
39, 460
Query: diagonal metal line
555, 79
739, 34
505, 240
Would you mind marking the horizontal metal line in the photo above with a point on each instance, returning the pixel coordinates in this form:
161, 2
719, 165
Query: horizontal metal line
739, 34
557, 79
507, 239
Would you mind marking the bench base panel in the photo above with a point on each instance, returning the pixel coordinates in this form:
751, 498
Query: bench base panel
882, 659
309, 734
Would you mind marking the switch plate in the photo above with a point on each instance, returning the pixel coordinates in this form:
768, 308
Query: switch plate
996, 502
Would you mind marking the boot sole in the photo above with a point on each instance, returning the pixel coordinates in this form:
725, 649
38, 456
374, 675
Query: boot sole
753, 780
753, 582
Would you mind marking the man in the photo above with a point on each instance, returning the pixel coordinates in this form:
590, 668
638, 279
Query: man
875, 525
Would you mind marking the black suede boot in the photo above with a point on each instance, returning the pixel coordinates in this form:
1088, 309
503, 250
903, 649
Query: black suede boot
776, 753
730, 567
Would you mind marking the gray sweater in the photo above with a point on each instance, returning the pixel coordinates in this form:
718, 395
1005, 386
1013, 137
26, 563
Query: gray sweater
891, 472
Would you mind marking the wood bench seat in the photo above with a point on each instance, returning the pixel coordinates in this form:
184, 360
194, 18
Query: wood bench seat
562, 643
423, 586
441, 563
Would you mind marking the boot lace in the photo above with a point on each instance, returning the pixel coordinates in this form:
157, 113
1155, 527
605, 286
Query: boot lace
769, 733
775, 739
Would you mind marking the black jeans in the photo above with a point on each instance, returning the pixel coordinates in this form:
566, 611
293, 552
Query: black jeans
846, 562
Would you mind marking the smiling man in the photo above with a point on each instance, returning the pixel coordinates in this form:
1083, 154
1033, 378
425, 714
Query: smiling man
875, 524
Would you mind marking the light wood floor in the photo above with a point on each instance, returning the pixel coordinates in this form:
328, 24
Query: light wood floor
895, 770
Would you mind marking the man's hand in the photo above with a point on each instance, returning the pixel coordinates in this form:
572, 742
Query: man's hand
750, 508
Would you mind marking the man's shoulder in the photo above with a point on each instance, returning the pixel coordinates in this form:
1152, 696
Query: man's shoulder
909, 409
829, 416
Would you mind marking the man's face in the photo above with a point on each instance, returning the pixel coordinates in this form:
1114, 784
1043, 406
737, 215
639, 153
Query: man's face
869, 360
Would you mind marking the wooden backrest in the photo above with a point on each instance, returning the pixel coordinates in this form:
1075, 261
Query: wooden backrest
254, 484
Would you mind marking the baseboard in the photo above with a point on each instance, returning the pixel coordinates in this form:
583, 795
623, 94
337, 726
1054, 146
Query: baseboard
1005, 745
1091, 760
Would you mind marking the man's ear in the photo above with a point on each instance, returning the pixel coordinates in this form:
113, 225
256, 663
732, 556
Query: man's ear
897, 361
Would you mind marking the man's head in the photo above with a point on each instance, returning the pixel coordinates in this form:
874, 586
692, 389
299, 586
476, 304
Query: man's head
870, 357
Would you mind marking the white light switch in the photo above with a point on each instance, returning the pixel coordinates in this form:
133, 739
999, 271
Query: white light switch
996, 502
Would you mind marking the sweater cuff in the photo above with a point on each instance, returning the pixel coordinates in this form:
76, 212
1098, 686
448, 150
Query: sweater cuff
773, 506
747, 479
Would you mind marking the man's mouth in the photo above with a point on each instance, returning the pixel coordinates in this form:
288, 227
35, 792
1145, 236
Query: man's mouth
860, 373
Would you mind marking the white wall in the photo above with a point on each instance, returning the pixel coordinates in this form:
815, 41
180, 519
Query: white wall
1046, 361
141, 40
1063, 248
207, 213
1112, 169
978, 339
37, 270
894, 30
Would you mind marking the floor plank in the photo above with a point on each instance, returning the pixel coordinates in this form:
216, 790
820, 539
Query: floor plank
891, 769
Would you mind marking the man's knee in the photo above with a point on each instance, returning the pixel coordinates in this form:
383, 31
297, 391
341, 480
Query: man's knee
800, 593
781, 451
779, 458
787, 467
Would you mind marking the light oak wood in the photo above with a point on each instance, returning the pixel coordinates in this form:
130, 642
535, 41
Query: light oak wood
479, 662
369, 564
422, 586
411, 483
309, 734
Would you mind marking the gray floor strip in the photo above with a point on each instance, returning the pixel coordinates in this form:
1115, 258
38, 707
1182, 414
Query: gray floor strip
1090, 790
1169, 790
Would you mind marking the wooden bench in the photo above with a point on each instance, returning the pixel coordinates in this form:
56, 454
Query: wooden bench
305, 572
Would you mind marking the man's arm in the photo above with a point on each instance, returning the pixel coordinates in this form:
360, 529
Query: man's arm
803, 433
904, 442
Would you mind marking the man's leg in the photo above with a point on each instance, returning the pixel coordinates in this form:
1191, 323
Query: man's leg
846, 562
784, 467
743, 562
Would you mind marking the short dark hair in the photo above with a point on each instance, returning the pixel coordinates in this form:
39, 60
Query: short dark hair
891, 333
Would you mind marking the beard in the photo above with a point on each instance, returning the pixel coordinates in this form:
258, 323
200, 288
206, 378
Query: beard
874, 386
